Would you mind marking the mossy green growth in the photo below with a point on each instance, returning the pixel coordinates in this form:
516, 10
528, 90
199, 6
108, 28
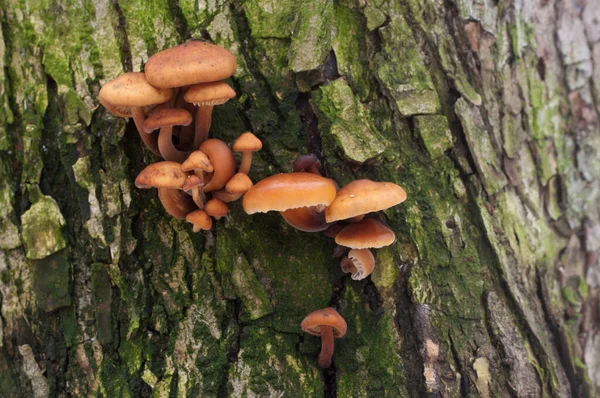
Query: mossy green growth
269, 18
268, 365
41, 228
311, 35
102, 294
253, 295
402, 71
367, 358
435, 133
130, 351
51, 280
348, 123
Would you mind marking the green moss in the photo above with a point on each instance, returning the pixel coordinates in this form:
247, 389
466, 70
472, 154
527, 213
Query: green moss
348, 123
435, 133
130, 352
41, 226
311, 37
270, 19
102, 293
253, 295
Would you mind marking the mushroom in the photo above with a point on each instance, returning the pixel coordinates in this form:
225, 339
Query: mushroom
359, 262
369, 233
189, 63
222, 160
200, 164
364, 196
205, 96
306, 219
307, 163
237, 186
328, 324
164, 119
281, 192
200, 220
162, 175
176, 202
216, 208
247, 143
127, 95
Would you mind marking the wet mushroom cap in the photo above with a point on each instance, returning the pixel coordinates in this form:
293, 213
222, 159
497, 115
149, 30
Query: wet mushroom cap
213, 93
162, 175
189, 63
313, 322
167, 117
281, 192
362, 197
132, 89
369, 233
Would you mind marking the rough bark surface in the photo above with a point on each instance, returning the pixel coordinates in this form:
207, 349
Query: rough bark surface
485, 111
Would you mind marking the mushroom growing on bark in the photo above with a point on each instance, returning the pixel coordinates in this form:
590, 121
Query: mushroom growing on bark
359, 262
200, 220
222, 160
164, 119
369, 233
328, 324
127, 95
247, 143
282, 192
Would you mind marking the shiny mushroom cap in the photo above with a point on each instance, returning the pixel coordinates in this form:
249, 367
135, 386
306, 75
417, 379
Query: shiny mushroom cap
189, 63
313, 322
362, 197
167, 117
131, 89
369, 233
281, 192
213, 93
363, 263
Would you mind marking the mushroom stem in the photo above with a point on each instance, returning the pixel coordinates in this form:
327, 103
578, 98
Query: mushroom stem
149, 140
326, 347
203, 121
347, 266
246, 162
167, 148
199, 196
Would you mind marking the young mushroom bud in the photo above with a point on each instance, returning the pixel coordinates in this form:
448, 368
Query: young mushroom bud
200, 220
216, 208
246, 143
200, 164
359, 262
328, 324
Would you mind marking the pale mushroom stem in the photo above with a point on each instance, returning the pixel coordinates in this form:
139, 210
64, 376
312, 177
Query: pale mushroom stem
167, 148
149, 140
246, 162
326, 347
198, 194
203, 121
347, 266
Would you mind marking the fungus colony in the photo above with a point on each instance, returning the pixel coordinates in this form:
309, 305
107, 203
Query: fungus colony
179, 88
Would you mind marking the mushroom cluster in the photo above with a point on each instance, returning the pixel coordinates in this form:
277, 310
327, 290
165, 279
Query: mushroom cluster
310, 202
171, 104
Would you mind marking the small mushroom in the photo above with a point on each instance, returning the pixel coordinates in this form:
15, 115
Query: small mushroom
369, 233
247, 143
205, 96
328, 324
359, 262
127, 95
216, 208
200, 164
306, 219
164, 119
222, 160
364, 196
200, 220
307, 163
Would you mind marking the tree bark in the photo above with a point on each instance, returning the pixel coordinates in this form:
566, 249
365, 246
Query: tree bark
485, 111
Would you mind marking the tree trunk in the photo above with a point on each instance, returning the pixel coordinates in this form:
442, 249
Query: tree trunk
485, 111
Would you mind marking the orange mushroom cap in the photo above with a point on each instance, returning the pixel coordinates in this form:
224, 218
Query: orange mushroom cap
281, 192
189, 63
369, 233
362, 197
162, 175
239, 183
313, 322
306, 219
167, 117
197, 160
216, 208
176, 202
222, 161
247, 142
132, 89
213, 93
363, 263
200, 220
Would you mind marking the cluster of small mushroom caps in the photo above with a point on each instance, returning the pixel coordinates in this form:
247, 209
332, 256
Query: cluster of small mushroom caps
186, 80
312, 203
179, 86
